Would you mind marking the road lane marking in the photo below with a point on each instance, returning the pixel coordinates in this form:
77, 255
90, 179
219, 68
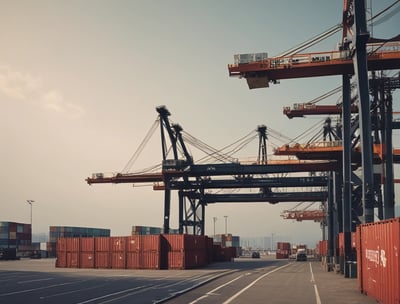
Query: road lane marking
113, 294
35, 289
36, 280
317, 298
252, 283
212, 292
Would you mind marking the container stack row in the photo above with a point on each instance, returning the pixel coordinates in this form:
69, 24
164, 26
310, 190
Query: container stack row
168, 251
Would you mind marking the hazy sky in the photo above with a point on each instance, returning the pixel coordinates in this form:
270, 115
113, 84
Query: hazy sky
80, 80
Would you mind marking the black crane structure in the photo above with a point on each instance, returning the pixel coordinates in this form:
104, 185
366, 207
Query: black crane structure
193, 180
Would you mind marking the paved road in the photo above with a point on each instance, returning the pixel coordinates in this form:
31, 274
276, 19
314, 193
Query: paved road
248, 280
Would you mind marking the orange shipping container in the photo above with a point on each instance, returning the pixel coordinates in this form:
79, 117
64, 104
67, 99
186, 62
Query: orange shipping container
72, 259
379, 260
61, 260
133, 243
73, 244
87, 244
86, 260
102, 244
186, 259
118, 260
102, 259
118, 243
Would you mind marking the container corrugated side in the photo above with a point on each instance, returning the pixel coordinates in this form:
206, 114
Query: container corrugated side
118, 243
151, 260
177, 242
151, 242
118, 260
73, 244
380, 260
133, 243
72, 259
86, 259
87, 244
102, 243
186, 259
102, 259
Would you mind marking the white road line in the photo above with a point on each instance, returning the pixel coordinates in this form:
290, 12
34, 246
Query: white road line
113, 294
211, 292
36, 280
35, 289
317, 298
252, 283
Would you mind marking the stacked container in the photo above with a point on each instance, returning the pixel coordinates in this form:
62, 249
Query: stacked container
15, 238
87, 256
378, 257
102, 252
118, 252
186, 251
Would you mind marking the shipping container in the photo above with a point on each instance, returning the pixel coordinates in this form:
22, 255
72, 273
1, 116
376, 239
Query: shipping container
87, 260
187, 259
118, 243
133, 260
378, 260
102, 244
153, 260
181, 242
73, 244
118, 260
102, 259
87, 244
61, 260
133, 243
72, 259
151, 242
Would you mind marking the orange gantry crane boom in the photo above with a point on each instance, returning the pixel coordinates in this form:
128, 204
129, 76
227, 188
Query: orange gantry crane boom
259, 70
301, 109
304, 215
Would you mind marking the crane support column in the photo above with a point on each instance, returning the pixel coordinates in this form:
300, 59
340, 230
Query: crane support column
388, 157
331, 231
361, 72
167, 206
346, 122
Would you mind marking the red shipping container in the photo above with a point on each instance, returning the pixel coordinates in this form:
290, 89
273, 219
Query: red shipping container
186, 259
118, 243
87, 244
61, 260
102, 244
379, 248
178, 242
62, 244
73, 244
102, 259
72, 259
151, 242
118, 260
133, 243
133, 260
152, 260
86, 260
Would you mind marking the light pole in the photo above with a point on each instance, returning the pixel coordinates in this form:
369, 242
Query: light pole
30, 202
226, 224
214, 219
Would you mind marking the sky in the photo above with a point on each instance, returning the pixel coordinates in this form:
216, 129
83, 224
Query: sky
80, 81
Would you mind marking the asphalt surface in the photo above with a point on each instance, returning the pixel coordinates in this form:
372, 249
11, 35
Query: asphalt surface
246, 280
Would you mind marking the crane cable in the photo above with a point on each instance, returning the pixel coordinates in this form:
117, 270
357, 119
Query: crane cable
139, 150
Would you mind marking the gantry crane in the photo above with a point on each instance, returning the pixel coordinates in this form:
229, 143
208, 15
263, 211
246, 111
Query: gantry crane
193, 181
